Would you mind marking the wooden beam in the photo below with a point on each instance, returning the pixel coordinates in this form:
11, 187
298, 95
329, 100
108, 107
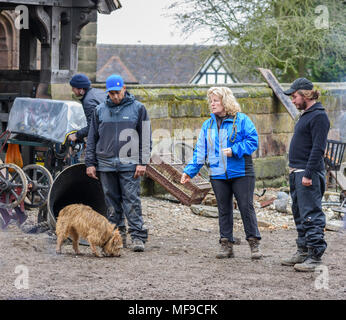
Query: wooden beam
54, 3
279, 92
27, 50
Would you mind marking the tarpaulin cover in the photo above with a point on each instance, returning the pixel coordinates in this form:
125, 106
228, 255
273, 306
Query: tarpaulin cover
47, 119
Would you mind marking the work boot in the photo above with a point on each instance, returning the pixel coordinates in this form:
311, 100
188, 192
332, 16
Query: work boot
226, 249
123, 234
308, 265
254, 247
138, 245
299, 257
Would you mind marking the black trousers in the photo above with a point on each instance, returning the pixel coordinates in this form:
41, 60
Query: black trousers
243, 189
307, 211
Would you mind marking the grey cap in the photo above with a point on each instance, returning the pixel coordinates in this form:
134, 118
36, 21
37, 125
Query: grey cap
299, 84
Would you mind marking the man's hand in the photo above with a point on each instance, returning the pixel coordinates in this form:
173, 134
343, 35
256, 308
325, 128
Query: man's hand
91, 172
140, 171
227, 152
185, 178
306, 182
72, 137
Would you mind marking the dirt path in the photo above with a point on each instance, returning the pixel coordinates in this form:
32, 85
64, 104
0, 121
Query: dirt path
178, 263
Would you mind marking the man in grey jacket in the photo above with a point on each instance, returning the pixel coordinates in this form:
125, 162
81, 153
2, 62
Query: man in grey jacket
89, 97
118, 150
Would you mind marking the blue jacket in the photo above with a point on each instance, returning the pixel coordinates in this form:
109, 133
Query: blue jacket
119, 136
243, 140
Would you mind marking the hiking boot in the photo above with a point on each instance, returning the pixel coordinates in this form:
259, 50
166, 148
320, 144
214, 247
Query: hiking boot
254, 247
308, 265
123, 234
299, 257
138, 245
226, 249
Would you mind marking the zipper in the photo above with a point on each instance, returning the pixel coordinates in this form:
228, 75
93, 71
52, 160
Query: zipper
222, 156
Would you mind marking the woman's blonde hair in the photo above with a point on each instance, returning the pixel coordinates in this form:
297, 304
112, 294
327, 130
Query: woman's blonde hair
228, 100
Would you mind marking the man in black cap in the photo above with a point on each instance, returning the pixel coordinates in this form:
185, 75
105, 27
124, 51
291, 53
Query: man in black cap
307, 175
89, 97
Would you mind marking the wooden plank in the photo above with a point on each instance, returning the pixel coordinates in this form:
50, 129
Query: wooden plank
279, 92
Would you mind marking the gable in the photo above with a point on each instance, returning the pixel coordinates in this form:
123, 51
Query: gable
115, 65
214, 71
167, 64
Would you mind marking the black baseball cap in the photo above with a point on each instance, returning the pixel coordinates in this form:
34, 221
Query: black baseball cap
299, 84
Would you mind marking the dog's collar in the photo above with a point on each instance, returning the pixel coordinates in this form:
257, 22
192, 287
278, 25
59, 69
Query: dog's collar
115, 229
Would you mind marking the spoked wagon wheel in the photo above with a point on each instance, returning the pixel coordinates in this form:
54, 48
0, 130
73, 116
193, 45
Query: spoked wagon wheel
13, 185
39, 183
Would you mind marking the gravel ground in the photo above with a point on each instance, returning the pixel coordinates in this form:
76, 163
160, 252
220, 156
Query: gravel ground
178, 263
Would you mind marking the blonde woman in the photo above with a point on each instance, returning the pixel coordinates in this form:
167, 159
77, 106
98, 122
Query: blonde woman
227, 140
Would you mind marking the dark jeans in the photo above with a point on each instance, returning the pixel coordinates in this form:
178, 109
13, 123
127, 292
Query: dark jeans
243, 189
122, 197
307, 211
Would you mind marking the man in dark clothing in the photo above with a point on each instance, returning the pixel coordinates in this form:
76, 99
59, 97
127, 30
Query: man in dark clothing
118, 149
307, 176
89, 97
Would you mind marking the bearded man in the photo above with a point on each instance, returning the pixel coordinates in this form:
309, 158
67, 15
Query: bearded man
307, 176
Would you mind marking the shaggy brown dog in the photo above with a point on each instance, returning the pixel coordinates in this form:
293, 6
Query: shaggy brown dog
79, 220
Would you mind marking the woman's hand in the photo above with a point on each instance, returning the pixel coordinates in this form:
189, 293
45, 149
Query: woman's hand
227, 152
185, 178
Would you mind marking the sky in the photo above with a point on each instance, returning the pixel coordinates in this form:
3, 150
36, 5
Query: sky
142, 22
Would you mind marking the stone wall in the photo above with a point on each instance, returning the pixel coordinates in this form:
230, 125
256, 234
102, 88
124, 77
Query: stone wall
184, 107
87, 52
173, 109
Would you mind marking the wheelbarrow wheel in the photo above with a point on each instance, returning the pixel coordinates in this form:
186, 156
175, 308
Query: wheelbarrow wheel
13, 185
39, 183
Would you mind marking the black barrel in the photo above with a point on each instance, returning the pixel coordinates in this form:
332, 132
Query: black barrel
73, 185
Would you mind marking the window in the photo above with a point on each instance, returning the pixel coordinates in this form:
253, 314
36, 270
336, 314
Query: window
214, 72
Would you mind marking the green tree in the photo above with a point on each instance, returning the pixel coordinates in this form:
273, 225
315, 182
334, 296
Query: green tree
287, 36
